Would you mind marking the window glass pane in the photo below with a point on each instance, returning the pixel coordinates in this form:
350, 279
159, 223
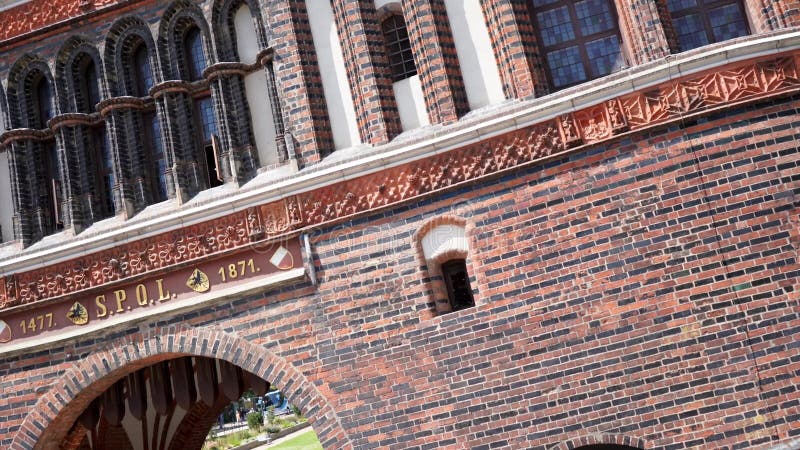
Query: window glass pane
103, 164
677, 5
727, 22
539, 3
566, 66
594, 16
45, 103
205, 108
143, 72
690, 30
398, 48
604, 56
159, 163
556, 26
194, 52
92, 88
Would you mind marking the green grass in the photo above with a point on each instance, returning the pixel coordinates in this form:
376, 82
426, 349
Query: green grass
304, 441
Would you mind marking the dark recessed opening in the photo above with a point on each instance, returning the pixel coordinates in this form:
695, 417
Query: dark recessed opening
459, 291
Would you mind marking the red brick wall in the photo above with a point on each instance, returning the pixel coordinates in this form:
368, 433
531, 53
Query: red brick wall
644, 290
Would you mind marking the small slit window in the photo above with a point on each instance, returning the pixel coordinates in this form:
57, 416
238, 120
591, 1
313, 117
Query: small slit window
398, 48
456, 278
443, 246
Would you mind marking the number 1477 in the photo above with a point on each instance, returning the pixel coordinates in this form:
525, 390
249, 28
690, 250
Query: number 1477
30, 326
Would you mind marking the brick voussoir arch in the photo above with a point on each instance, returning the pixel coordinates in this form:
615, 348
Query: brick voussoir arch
51, 418
602, 438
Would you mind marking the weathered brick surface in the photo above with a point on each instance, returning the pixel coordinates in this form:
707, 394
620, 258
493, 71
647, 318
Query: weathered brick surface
643, 292
640, 292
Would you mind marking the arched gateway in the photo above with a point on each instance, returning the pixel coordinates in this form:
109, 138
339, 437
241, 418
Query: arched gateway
60, 417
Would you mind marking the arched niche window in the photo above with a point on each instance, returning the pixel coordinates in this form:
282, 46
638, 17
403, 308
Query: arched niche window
195, 59
398, 47
205, 125
442, 244
702, 22
92, 143
579, 40
149, 170
142, 73
406, 84
43, 101
41, 108
88, 88
240, 36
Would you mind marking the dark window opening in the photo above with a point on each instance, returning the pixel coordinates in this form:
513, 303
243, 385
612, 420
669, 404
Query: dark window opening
44, 103
142, 74
156, 163
194, 57
207, 128
52, 186
104, 167
398, 48
702, 22
456, 278
88, 88
579, 40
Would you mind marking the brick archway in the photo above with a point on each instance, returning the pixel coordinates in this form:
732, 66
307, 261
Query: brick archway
50, 419
598, 439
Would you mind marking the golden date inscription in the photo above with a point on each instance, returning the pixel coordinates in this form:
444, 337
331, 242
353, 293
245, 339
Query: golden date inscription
37, 323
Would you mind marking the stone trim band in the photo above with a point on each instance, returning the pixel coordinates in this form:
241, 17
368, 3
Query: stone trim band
722, 88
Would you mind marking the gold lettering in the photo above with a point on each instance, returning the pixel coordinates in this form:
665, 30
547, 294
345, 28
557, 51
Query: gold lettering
162, 295
141, 295
100, 301
121, 297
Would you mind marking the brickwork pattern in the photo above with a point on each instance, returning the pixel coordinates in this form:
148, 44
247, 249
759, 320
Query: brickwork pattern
367, 70
436, 59
514, 45
644, 290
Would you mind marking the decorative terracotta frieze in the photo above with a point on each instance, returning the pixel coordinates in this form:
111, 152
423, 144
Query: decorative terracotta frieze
607, 120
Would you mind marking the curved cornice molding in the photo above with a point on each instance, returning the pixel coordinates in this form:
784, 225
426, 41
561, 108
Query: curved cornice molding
21, 134
112, 104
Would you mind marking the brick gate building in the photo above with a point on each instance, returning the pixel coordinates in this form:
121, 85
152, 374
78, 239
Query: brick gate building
545, 224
